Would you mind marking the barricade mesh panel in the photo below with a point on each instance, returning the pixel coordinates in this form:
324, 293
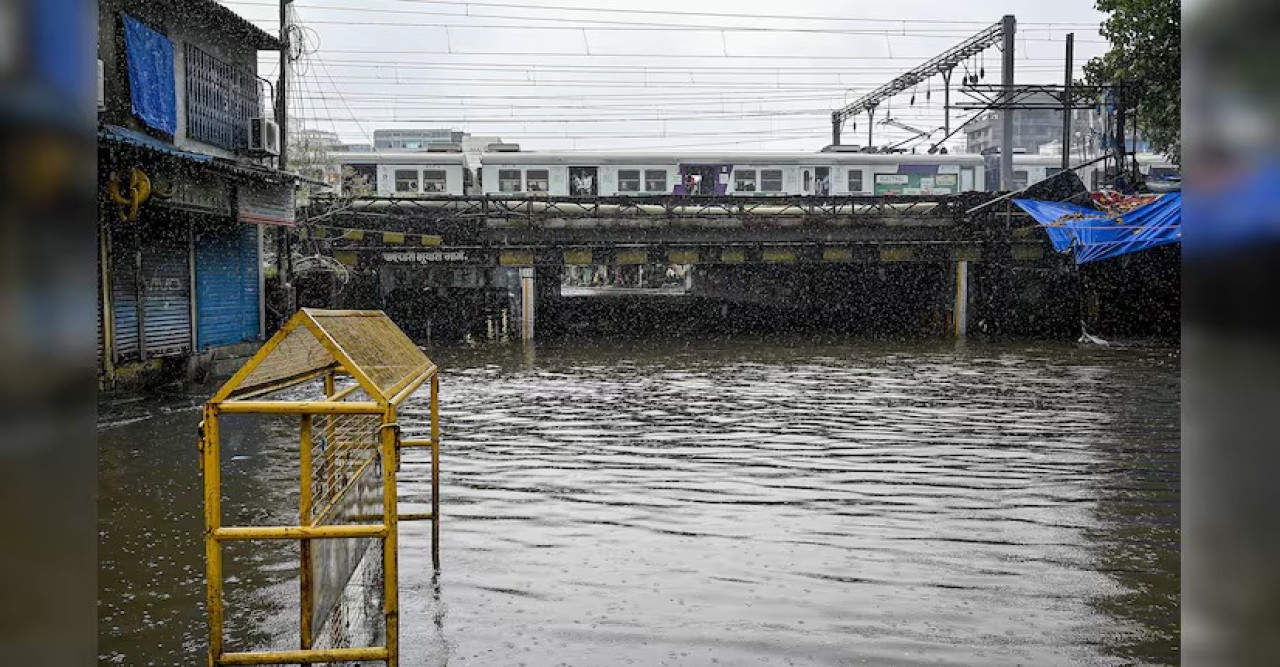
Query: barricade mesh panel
298, 353
376, 345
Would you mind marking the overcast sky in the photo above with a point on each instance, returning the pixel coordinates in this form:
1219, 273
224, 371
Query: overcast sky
661, 74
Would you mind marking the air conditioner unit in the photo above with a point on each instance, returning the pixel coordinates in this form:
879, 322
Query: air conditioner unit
264, 137
102, 86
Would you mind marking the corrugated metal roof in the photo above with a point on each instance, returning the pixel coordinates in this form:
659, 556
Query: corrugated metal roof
124, 135
128, 137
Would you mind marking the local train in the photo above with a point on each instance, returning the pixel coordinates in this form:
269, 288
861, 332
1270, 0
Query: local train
765, 174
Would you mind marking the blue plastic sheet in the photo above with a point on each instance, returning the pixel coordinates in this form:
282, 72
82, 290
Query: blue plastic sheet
1094, 235
151, 87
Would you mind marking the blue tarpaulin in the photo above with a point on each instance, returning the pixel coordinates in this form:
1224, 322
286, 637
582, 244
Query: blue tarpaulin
1093, 235
151, 87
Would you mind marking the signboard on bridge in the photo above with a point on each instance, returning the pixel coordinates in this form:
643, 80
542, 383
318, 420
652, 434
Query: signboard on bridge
424, 256
917, 184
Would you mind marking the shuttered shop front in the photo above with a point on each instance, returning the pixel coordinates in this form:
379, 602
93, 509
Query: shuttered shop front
124, 294
151, 287
166, 291
228, 282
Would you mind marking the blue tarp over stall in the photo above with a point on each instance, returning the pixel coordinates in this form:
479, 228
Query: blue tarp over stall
1094, 235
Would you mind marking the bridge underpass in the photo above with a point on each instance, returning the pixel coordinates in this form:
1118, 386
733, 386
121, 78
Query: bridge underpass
480, 266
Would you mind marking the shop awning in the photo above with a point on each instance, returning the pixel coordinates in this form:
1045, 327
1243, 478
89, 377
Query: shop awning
1094, 235
136, 139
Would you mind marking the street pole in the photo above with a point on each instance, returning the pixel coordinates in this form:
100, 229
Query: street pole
1009, 27
1066, 104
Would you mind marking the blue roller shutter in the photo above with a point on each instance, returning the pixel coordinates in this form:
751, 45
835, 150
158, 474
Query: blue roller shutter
227, 284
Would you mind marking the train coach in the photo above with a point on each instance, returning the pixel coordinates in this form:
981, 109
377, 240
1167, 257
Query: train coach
408, 173
1029, 169
583, 174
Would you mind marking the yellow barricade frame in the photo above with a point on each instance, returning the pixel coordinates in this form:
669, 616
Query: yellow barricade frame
387, 368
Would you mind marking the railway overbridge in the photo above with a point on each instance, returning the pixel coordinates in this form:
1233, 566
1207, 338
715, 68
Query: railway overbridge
738, 246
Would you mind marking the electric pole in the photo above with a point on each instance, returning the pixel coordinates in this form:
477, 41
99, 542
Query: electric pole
282, 104
1009, 25
1066, 103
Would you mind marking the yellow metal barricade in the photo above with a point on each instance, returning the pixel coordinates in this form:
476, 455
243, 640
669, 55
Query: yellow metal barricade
348, 457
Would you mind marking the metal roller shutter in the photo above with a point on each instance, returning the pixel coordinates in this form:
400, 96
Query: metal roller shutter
124, 296
166, 290
227, 284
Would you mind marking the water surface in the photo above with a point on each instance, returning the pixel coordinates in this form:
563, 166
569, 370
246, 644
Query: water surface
730, 502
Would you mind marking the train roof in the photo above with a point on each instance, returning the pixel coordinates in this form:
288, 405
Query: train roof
400, 157
781, 158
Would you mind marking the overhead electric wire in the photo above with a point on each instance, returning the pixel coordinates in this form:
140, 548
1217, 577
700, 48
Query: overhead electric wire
632, 26
561, 54
676, 13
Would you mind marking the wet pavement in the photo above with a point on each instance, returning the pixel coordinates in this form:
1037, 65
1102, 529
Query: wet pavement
733, 502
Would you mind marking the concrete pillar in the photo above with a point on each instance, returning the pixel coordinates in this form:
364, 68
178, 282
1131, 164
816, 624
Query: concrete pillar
528, 303
960, 309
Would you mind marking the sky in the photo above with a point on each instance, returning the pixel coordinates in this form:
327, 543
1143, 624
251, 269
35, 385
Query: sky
659, 75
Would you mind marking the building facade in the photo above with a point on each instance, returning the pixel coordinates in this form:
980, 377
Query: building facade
1039, 132
414, 140
187, 183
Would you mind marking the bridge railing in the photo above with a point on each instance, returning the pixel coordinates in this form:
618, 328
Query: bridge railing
763, 208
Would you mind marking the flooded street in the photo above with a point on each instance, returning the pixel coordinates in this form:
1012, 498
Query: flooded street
732, 502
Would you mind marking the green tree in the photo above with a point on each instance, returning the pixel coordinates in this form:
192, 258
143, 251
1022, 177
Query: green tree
1146, 53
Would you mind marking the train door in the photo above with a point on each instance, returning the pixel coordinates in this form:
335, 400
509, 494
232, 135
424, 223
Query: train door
703, 179
584, 181
815, 180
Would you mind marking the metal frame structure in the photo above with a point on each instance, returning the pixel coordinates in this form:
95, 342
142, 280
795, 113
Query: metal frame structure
345, 435
940, 64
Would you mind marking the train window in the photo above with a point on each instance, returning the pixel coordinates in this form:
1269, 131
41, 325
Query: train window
655, 180
1020, 179
508, 180
406, 180
855, 180
744, 180
628, 180
433, 180
537, 179
771, 180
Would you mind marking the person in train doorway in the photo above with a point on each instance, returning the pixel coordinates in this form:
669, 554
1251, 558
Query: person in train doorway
695, 182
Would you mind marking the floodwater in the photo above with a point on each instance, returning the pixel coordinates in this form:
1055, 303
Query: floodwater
735, 503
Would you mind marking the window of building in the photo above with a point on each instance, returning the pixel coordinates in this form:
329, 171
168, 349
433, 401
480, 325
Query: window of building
221, 99
771, 180
508, 180
406, 180
855, 180
655, 180
538, 180
628, 180
412, 145
433, 180
744, 180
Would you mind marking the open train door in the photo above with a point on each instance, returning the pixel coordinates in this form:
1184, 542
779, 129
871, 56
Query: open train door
704, 179
584, 181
